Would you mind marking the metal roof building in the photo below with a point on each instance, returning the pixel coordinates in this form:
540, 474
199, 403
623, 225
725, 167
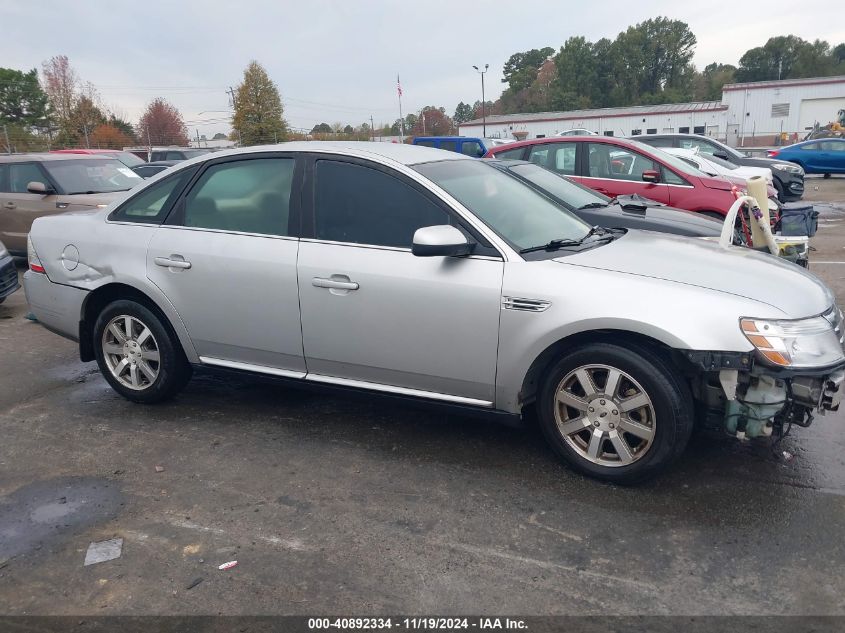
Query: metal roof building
762, 110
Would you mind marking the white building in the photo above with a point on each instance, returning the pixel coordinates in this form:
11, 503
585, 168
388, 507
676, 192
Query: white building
750, 114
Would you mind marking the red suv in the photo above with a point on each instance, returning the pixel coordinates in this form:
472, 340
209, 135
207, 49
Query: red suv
616, 167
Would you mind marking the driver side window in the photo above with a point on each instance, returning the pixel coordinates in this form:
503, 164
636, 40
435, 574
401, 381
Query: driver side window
361, 205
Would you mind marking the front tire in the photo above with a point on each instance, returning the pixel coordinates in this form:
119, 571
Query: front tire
621, 414
139, 357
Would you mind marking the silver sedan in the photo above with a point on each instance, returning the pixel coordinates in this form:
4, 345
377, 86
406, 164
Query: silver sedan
429, 275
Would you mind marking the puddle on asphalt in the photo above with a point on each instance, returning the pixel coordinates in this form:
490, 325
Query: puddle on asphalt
47, 512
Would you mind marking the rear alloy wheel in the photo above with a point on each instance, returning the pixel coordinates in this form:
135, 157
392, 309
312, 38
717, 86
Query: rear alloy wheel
138, 356
131, 352
616, 413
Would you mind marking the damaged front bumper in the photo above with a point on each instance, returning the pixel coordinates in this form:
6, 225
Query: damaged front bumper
762, 401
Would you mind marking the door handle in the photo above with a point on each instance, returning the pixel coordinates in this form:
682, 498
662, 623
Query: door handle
172, 263
322, 282
9, 205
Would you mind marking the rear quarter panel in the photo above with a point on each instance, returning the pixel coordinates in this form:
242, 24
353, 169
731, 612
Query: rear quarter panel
108, 253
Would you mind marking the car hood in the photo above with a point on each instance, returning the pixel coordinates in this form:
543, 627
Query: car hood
716, 182
670, 216
736, 270
762, 162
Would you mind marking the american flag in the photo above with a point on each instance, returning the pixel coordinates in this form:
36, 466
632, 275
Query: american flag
398, 86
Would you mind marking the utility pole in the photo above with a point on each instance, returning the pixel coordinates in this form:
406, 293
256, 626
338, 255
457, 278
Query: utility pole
85, 130
198, 136
8, 144
483, 99
372, 129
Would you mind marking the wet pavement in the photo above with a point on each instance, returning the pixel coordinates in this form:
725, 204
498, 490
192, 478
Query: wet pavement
355, 505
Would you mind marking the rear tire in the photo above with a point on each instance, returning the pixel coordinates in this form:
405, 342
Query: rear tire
139, 357
635, 423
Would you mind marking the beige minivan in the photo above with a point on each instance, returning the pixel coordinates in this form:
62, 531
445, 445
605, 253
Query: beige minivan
33, 185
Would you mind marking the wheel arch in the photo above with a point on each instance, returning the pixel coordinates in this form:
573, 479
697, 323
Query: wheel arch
625, 338
100, 297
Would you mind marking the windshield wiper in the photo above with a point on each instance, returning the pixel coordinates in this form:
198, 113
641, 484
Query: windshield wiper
592, 205
561, 243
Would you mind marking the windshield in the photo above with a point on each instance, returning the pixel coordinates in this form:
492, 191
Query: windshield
127, 158
673, 161
519, 214
94, 175
193, 153
722, 163
561, 188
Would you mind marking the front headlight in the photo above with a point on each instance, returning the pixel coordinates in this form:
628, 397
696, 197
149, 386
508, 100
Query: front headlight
813, 342
792, 169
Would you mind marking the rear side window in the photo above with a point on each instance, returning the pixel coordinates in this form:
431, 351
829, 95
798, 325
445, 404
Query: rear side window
452, 146
174, 156
247, 196
425, 143
472, 148
659, 142
564, 159
152, 204
511, 154
20, 175
4, 178
361, 205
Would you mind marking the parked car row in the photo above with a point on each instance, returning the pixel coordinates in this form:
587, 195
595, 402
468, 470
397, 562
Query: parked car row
623, 167
788, 177
437, 277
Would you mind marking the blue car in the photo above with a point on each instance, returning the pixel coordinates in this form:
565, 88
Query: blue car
470, 145
818, 156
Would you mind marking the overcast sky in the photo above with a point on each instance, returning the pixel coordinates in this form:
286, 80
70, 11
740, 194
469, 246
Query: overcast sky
338, 61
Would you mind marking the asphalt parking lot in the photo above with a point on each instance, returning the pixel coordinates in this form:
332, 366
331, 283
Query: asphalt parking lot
358, 506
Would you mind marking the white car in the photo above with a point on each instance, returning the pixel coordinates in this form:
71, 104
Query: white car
579, 131
714, 166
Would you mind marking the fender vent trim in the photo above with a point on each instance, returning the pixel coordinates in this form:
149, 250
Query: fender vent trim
525, 305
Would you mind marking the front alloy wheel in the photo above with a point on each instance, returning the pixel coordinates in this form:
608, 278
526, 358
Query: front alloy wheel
616, 413
605, 415
131, 352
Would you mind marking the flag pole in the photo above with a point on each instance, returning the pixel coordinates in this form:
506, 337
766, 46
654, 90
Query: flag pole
401, 119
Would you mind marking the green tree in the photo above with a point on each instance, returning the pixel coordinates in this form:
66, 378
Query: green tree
258, 116
790, 57
574, 84
521, 69
463, 113
22, 101
321, 128
709, 82
219, 137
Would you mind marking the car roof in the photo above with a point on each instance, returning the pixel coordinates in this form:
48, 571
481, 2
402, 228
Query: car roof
608, 140
86, 151
41, 157
404, 154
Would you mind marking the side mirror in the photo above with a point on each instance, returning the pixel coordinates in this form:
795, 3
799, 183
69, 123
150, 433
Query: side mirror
651, 175
39, 187
441, 240
722, 155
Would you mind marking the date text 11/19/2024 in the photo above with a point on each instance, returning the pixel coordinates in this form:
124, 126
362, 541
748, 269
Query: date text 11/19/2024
416, 624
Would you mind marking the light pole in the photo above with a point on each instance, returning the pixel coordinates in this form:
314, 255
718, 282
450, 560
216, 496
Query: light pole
483, 103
